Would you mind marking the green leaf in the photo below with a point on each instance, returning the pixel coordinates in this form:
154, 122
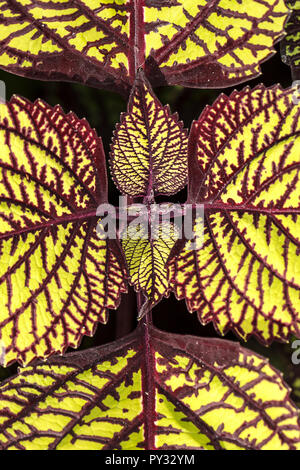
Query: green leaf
150, 390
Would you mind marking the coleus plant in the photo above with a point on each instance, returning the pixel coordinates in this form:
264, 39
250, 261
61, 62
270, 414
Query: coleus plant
59, 273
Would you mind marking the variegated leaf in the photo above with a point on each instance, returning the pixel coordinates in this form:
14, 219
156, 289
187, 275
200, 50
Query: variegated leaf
150, 390
149, 149
202, 43
290, 45
57, 277
146, 251
245, 169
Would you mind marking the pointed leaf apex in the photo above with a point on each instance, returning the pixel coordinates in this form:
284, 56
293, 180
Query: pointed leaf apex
149, 148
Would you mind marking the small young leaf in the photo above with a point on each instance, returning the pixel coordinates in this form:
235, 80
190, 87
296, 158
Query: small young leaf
149, 149
199, 43
290, 45
146, 254
245, 169
185, 393
57, 277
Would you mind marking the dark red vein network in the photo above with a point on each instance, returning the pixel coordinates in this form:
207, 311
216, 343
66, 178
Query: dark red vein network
59, 277
207, 45
146, 369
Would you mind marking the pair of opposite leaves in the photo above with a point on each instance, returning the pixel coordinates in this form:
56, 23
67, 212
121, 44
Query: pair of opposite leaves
58, 277
202, 43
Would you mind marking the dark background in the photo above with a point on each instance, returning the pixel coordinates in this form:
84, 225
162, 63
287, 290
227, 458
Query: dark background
102, 110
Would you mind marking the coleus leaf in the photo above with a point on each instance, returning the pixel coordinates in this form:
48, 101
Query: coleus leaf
150, 390
147, 250
149, 148
245, 170
290, 45
202, 43
57, 277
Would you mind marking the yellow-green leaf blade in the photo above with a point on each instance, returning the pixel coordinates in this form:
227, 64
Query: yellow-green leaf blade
57, 277
149, 148
211, 44
206, 394
245, 170
85, 42
146, 252
201, 43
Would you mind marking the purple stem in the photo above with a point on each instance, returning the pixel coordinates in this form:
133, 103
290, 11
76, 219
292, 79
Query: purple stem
148, 381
